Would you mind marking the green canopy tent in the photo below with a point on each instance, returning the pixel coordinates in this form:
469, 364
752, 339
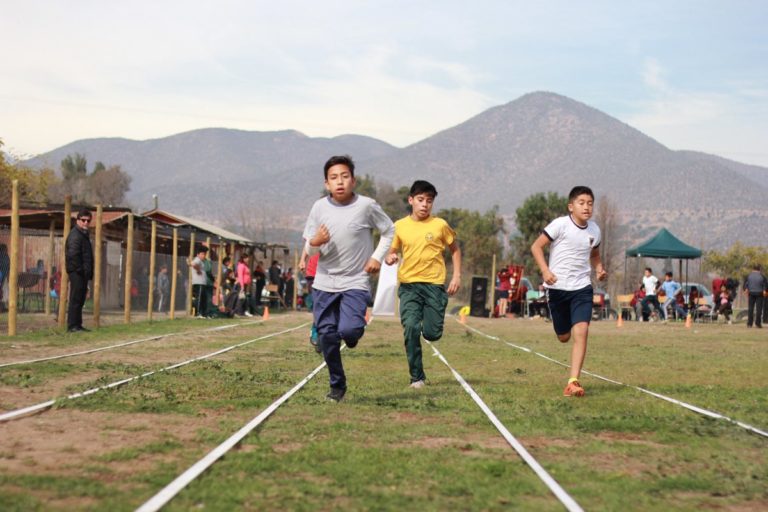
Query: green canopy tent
664, 245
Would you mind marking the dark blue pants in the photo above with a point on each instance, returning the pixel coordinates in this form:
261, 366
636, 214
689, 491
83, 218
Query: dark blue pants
339, 316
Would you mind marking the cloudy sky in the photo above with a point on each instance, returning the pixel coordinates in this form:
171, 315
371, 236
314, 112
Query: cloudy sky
691, 74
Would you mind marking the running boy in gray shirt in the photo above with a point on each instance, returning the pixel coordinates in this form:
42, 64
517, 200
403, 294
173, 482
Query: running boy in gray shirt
340, 228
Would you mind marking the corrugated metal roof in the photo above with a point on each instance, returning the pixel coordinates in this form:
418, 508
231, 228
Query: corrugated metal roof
164, 216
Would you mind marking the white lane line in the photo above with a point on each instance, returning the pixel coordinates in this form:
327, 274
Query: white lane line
125, 344
694, 408
47, 405
172, 489
567, 501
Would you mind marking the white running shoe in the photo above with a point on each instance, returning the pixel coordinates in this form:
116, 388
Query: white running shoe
418, 384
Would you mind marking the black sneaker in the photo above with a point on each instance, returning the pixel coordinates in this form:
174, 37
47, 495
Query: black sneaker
351, 344
336, 394
84, 329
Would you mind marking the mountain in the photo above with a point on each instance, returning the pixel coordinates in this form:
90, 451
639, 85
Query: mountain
540, 142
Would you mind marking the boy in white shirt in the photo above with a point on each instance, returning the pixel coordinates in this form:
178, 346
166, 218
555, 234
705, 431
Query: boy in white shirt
575, 241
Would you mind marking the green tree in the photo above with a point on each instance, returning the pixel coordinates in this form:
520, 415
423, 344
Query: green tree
737, 261
33, 184
479, 236
531, 218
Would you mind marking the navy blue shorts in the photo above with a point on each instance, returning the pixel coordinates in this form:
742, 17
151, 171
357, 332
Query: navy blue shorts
569, 308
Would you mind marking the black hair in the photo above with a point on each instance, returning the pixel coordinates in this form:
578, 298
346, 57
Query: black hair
649, 269
202, 248
226, 260
422, 187
85, 212
668, 274
577, 191
339, 160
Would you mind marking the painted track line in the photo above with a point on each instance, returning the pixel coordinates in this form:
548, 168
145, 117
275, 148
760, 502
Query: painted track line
11, 415
167, 493
690, 407
567, 501
125, 344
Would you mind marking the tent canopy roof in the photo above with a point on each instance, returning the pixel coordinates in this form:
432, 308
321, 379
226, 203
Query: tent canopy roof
664, 245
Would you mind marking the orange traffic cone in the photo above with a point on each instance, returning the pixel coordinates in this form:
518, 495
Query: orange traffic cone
620, 321
266, 313
462, 317
688, 321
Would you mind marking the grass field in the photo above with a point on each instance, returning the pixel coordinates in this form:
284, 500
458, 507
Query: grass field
388, 447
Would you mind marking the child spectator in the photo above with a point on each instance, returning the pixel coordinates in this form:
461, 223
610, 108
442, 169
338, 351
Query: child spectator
422, 239
575, 243
671, 289
309, 266
724, 303
340, 227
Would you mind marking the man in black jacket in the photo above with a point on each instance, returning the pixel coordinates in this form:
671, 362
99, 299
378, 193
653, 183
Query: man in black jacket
79, 259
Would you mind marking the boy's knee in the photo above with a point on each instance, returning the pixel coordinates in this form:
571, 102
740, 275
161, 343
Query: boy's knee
564, 338
433, 334
352, 335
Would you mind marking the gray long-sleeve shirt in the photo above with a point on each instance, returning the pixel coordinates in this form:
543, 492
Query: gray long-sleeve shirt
343, 258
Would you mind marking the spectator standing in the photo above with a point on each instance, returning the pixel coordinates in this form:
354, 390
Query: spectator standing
163, 288
243, 285
260, 279
78, 255
724, 306
5, 268
309, 266
755, 286
201, 266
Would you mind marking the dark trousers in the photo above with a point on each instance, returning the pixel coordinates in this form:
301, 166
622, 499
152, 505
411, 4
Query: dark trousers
201, 299
78, 290
755, 309
339, 316
422, 312
257, 292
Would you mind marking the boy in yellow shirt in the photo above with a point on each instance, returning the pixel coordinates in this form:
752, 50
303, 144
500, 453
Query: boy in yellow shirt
422, 239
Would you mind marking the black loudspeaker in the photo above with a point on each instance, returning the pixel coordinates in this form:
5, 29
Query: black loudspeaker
478, 296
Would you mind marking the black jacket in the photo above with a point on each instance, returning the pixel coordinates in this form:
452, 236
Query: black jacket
79, 254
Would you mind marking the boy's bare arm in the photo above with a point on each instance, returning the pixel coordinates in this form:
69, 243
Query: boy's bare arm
455, 283
537, 249
303, 259
597, 263
392, 257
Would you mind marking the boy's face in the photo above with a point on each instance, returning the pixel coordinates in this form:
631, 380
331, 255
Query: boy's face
340, 183
581, 208
647, 273
202, 255
421, 205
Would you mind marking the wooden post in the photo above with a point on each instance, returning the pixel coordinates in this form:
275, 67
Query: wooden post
49, 268
295, 278
492, 287
128, 271
152, 251
175, 269
97, 268
64, 285
189, 272
222, 254
13, 279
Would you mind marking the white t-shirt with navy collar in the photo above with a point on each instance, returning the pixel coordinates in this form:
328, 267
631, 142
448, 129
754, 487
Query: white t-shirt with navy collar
569, 255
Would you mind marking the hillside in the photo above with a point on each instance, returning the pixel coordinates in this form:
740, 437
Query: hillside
537, 143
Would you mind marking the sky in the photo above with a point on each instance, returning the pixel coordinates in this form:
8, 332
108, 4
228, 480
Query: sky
690, 74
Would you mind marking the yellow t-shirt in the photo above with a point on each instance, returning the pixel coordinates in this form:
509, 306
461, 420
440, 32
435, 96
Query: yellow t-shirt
422, 244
